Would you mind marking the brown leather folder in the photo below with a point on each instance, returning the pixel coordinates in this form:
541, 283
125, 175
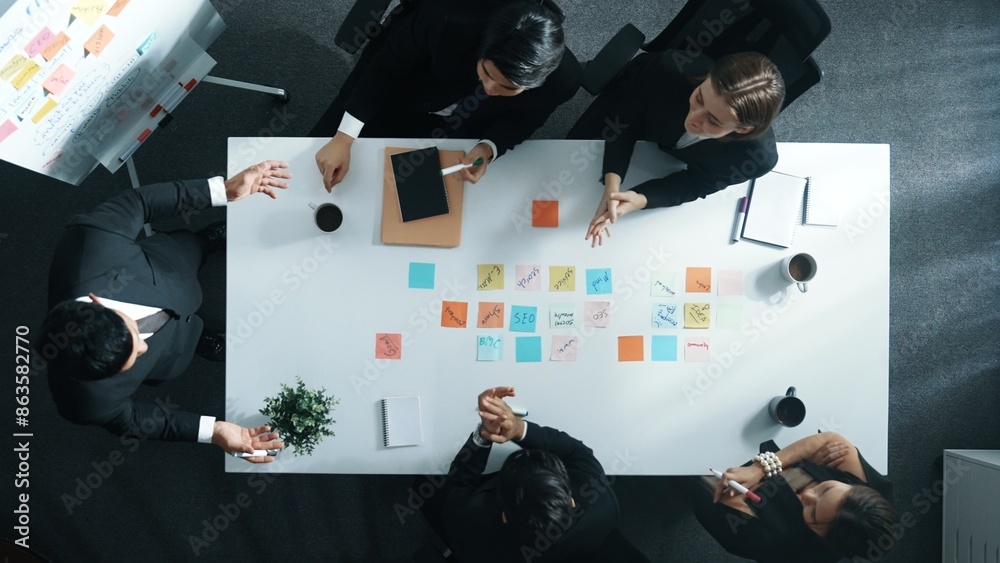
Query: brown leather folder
442, 230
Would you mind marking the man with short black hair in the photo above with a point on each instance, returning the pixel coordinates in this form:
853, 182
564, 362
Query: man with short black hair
551, 500
491, 70
143, 330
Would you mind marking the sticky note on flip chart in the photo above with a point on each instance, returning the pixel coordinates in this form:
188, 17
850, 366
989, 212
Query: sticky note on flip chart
562, 315
421, 275
663, 284
697, 315
98, 41
664, 348
490, 277
697, 350
87, 10
49, 106
39, 42
490, 348
388, 346
564, 348
666, 315
7, 129
13, 66
58, 80
528, 277
117, 8
562, 278
529, 348
454, 314
630, 348
597, 314
490, 315
523, 319
598, 281
52, 49
30, 69
699, 280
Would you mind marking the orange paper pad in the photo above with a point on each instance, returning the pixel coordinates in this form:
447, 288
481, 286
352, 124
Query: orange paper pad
544, 213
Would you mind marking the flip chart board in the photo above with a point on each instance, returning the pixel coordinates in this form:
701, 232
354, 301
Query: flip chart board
81, 81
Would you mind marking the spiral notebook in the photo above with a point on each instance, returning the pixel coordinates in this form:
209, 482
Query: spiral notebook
774, 208
822, 207
401, 421
419, 184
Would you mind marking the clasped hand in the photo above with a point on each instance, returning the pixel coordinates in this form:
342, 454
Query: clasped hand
499, 422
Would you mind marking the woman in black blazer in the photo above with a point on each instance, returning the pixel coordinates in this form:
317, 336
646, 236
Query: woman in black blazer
714, 118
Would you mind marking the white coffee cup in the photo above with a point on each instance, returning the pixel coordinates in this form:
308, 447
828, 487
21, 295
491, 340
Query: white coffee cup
798, 269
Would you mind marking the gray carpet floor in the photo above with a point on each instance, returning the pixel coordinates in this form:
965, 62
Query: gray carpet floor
916, 74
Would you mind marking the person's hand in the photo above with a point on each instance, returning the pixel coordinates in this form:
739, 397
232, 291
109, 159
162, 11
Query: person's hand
615, 206
234, 438
473, 174
831, 454
334, 159
748, 476
260, 178
499, 422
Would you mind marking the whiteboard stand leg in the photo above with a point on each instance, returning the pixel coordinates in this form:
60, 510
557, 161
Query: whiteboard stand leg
133, 176
278, 93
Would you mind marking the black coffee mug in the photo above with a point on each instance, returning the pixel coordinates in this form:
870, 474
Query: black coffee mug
787, 410
328, 217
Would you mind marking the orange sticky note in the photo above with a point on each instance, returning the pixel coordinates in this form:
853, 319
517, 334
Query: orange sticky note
52, 49
630, 348
57, 82
388, 346
98, 41
490, 315
454, 314
699, 280
544, 213
117, 8
30, 69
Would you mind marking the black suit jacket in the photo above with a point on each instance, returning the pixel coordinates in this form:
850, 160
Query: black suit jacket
473, 526
428, 62
650, 103
99, 254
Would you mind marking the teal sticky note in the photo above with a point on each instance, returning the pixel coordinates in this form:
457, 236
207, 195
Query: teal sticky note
529, 348
421, 275
664, 348
522, 319
598, 281
729, 316
666, 315
490, 348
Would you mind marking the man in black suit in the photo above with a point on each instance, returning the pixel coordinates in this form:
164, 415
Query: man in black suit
483, 69
143, 328
551, 500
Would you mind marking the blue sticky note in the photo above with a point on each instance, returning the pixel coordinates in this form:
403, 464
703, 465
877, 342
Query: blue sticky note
522, 319
490, 348
421, 275
529, 348
598, 281
667, 315
664, 348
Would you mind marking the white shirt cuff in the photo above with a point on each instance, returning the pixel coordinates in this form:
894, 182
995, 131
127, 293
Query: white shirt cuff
217, 188
205, 427
350, 125
523, 436
478, 439
492, 146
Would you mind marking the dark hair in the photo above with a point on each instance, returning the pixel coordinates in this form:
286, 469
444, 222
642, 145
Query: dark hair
752, 87
864, 516
525, 42
86, 339
534, 492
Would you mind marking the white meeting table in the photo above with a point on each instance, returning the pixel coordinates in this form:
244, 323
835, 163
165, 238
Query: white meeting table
304, 303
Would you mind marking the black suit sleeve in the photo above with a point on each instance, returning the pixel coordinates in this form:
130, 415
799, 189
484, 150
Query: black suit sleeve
573, 453
155, 421
126, 213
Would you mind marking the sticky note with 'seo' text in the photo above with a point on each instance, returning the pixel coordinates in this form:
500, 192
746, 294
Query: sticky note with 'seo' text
522, 318
597, 314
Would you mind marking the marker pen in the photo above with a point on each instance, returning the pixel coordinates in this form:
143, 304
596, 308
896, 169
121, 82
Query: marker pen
737, 487
741, 214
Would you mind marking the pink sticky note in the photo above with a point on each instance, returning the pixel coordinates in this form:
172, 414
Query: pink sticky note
528, 277
597, 313
730, 282
564, 348
59, 79
40, 42
7, 129
696, 350
388, 346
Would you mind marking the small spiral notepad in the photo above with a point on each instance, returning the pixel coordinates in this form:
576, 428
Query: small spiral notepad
774, 209
822, 204
401, 421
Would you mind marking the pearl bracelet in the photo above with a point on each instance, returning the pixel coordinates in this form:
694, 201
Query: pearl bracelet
769, 462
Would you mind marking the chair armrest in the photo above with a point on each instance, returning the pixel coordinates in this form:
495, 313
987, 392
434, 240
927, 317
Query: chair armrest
363, 22
612, 58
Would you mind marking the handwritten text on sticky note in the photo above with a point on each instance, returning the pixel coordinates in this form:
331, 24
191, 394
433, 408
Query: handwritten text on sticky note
490, 315
490, 348
58, 80
388, 346
562, 315
666, 315
99, 41
697, 350
528, 277
663, 284
699, 280
697, 315
454, 314
490, 277
564, 348
598, 281
523, 319
562, 278
597, 314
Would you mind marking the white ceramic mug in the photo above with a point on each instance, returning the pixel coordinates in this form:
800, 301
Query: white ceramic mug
331, 219
802, 271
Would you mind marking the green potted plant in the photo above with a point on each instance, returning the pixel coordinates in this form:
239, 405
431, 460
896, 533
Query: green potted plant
301, 416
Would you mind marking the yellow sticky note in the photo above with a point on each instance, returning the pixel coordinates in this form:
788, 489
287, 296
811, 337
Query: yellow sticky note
88, 10
13, 66
30, 69
562, 278
45, 109
697, 315
490, 277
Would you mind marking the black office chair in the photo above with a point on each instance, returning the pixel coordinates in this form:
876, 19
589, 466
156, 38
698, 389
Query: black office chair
786, 31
